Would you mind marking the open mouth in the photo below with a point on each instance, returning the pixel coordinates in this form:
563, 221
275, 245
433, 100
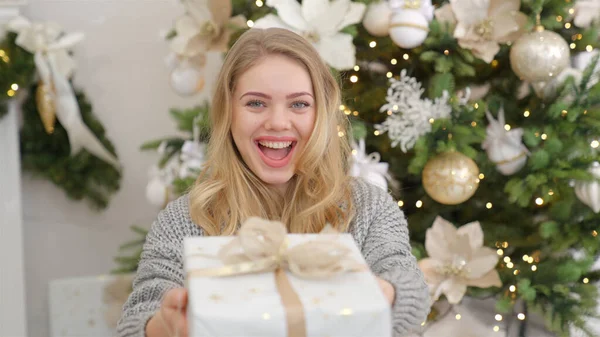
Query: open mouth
275, 153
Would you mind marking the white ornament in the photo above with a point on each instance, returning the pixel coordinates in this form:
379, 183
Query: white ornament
192, 154
587, 12
157, 192
424, 6
369, 166
504, 148
589, 191
320, 21
187, 80
408, 28
410, 115
377, 19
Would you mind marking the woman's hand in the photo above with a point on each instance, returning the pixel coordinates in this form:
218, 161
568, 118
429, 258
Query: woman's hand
170, 320
388, 290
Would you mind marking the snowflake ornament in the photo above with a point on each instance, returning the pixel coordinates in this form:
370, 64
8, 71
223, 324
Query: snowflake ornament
320, 22
410, 115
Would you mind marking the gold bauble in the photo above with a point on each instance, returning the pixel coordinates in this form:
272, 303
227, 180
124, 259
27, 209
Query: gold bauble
539, 56
45, 105
450, 178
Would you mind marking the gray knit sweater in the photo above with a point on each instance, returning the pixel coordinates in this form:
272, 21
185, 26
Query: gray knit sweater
379, 228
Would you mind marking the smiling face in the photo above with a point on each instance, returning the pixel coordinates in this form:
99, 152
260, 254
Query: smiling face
273, 117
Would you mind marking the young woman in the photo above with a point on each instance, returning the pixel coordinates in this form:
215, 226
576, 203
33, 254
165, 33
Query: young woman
275, 153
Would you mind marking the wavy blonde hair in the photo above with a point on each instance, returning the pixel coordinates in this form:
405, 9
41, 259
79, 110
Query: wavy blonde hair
228, 192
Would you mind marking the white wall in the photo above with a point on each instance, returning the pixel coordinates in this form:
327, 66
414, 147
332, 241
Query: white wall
122, 70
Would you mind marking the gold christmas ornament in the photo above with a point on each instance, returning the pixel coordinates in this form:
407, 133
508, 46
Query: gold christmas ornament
45, 106
539, 56
450, 178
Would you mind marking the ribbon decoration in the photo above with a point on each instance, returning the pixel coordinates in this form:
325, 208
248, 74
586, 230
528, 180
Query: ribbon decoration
55, 66
261, 246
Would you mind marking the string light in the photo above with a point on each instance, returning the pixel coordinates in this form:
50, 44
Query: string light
481, 175
507, 127
341, 134
521, 316
356, 68
544, 136
419, 204
594, 144
250, 23
525, 257
347, 112
2, 53
509, 265
533, 268
389, 74
476, 105
394, 61
372, 44
342, 107
354, 152
512, 288
573, 46
586, 280
594, 233
559, 18
504, 244
488, 205
376, 133
405, 57
564, 113
389, 112
539, 201
400, 203
579, 36
423, 324
259, 3
353, 78
500, 252
496, 328
516, 272
589, 48
446, 52
473, 123
571, 10
395, 107
431, 120
526, 113
458, 317
355, 113
498, 317
551, 192
567, 25
530, 260
14, 87
495, 63
10, 93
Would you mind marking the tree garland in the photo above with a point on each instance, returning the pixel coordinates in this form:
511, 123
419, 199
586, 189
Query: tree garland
82, 176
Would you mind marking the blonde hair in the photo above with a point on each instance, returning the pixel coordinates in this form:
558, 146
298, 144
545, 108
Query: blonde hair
228, 192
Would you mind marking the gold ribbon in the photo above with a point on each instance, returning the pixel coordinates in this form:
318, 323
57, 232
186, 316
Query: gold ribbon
261, 246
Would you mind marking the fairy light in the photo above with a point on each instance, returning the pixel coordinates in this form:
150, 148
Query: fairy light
500, 252
355, 113
530, 260
372, 44
347, 112
376, 133
14, 87
586, 280
539, 201
495, 63
516, 272
419, 204
473, 123
341, 134
250, 23
525, 257
481, 175
572, 46
496, 328
512, 288
394, 62
431, 120
259, 3
498, 317
353, 78
356, 68
458, 317
10, 93
354, 152
559, 18
400, 203
551, 192
521, 316
446, 52
405, 57
423, 324
594, 233
507, 127
504, 244
395, 107
342, 107
533, 268
509, 265
589, 48
488, 205
476, 106
567, 25
594, 144
571, 10
564, 113
579, 36
544, 136
526, 113
389, 112
389, 74
2, 53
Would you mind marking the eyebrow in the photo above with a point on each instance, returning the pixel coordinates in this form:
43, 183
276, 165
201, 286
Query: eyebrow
260, 94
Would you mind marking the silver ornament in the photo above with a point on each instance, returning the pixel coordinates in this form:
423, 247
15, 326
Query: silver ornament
539, 56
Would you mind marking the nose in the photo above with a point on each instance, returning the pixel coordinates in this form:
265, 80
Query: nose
278, 119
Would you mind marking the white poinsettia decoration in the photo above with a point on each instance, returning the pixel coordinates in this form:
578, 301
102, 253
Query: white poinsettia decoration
368, 166
504, 148
457, 259
206, 26
481, 25
409, 115
319, 21
586, 13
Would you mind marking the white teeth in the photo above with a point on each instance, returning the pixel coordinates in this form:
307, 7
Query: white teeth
275, 145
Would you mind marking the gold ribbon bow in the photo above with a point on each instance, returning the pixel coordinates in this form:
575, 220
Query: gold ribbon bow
262, 246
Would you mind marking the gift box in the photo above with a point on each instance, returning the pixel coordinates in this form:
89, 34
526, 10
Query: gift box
265, 282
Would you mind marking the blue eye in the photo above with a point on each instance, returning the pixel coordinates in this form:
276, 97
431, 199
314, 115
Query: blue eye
255, 104
300, 105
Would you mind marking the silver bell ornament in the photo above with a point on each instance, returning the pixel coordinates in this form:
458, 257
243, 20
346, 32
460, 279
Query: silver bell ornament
588, 192
504, 148
539, 56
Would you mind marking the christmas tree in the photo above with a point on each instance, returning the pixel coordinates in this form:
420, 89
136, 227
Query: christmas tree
482, 115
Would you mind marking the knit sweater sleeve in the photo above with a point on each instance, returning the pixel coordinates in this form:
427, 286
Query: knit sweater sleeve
159, 270
387, 250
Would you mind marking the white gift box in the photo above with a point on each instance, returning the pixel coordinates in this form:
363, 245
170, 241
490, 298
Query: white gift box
85, 307
250, 305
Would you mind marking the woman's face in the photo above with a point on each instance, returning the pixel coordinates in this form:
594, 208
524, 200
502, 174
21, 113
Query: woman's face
273, 117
